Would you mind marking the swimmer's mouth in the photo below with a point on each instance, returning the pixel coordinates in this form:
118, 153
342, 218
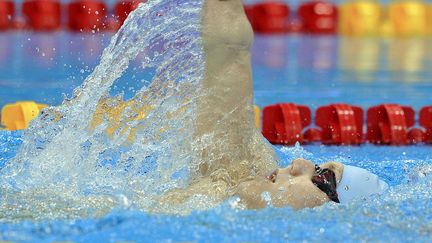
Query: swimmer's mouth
272, 177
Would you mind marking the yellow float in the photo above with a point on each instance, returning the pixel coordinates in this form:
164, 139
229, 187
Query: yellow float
408, 18
360, 18
113, 111
19, 115
257, 116
429, 18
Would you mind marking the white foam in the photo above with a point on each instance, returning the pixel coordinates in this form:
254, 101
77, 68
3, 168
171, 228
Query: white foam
62, 156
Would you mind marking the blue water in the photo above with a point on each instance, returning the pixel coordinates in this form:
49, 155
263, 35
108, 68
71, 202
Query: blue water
401, 219
302, 69
311, 70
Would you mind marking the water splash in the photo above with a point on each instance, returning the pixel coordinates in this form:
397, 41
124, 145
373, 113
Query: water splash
296, 152
94, 151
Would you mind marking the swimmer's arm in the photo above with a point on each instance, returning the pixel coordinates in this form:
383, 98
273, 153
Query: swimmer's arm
336, 167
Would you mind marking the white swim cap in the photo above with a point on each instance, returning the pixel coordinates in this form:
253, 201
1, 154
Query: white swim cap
358, 183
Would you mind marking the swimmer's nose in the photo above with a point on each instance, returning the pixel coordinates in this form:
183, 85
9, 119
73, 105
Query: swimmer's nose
301, 167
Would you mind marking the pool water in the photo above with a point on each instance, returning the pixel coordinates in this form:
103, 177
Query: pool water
310, 70
401, 215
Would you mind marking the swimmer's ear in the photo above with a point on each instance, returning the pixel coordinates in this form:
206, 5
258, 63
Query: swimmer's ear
336, 167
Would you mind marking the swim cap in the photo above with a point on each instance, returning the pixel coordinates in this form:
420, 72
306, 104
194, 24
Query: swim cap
357, 183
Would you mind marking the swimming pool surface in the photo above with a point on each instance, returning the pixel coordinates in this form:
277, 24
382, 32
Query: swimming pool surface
310, 70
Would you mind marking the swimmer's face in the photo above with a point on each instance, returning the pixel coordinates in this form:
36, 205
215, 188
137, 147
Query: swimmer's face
293, 186
290, 186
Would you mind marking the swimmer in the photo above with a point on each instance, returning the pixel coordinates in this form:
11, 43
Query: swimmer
303, 184
300, 185
235, 158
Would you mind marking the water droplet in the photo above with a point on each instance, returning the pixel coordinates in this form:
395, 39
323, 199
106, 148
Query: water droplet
266, 196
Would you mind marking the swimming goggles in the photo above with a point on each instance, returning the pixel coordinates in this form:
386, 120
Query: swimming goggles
325, 180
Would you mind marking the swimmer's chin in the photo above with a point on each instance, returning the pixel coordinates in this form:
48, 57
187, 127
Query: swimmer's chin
251, 196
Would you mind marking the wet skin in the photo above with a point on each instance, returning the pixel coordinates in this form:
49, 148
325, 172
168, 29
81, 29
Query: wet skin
290, 186
236, 159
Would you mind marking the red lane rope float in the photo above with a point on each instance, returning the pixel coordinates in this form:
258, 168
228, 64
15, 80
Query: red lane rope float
389, 124
123, 8
312, 135
416, 135
42, 15
318, 17
284, 123
87, 15
249, 14
270, 17
341, 124
7, 11
426, 122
